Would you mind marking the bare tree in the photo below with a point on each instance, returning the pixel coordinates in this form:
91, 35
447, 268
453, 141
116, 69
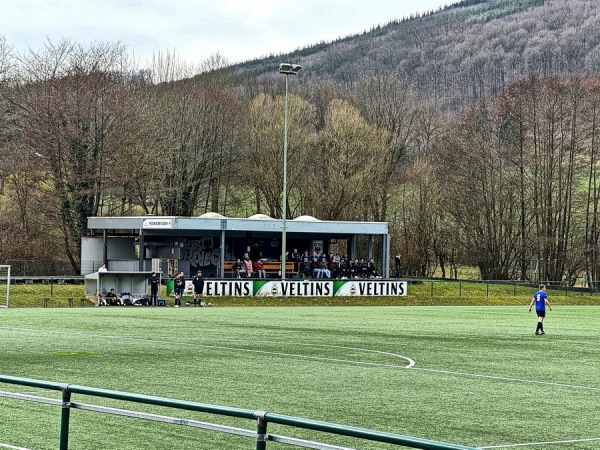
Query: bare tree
66, 97
348, 163
264, 157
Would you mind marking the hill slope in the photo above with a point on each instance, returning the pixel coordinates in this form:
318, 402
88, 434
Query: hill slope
462, 52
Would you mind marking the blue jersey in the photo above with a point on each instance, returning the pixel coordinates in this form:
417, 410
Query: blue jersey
540, 300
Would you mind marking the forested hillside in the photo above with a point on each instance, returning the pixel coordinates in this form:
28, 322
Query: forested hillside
472, 130
464, 52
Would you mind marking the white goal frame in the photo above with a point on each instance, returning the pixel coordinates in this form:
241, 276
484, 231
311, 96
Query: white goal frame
5, 281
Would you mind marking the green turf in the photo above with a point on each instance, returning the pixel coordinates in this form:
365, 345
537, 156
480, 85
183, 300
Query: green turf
481, 377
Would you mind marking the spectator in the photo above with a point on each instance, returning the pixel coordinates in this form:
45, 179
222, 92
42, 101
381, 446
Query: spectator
198, 283
102, 268
314, 262
179, 288
398, 268
371, 268
296, 258
344, 269
257, 267
112, 299
305, 265
238, 268
154, 285
334, 267
362, 268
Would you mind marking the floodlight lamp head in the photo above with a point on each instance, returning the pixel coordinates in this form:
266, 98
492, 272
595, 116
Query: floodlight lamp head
289, 69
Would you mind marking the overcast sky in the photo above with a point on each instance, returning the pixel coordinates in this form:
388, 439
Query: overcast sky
239, 30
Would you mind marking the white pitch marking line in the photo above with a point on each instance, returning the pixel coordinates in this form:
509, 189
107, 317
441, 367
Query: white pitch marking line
410, 366
13, 447
411, 363
497, 377
570, 441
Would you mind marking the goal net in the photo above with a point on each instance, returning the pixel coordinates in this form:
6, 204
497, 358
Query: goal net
4, 286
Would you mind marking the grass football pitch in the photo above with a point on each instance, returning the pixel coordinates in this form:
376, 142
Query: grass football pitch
472, 375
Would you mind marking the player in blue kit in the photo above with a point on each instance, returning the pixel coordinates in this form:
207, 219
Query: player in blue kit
540, 298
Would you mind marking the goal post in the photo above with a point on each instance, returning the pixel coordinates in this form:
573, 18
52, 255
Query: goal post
4, 286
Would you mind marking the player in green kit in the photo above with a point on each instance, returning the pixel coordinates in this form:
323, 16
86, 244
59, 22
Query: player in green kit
540, 298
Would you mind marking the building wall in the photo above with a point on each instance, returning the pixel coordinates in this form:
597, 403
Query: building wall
119, 249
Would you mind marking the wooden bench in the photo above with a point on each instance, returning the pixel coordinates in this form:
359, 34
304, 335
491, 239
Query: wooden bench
271, 268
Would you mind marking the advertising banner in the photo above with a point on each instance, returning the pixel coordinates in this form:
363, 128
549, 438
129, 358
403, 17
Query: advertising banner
302, 288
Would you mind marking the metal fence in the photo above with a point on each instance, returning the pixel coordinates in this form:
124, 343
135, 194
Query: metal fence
36, 268
261, 418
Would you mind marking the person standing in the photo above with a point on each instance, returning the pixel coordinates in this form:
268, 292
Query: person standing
154, 285
198, 283
398, 262
179, 288
540, 298
296, 257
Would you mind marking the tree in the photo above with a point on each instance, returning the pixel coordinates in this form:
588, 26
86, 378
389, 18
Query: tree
67, 99
347, 163
480, 192
264, 157
387, 104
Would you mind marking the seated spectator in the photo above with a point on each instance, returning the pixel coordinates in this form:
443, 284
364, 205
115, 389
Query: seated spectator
113, 299
317, 272
354, 269
238, 266
325, 272
334, 267
314, 263
344, 269
102, 268
371, 268
304, 267
362, 268
257, 267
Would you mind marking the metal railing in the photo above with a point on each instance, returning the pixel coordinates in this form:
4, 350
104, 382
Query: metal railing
262, 418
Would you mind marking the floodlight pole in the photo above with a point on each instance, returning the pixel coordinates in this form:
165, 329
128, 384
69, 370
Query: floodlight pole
286, 69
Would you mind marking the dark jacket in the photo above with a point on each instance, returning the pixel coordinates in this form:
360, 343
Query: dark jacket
198, 283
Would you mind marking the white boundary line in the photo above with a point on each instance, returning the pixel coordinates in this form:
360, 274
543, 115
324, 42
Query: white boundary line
526, 444
13, 447
518, 380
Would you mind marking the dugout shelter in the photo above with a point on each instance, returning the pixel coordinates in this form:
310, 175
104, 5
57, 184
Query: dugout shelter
170, 244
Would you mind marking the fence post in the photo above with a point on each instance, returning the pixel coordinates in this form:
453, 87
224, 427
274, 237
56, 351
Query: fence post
70, 300
45, 302
460, 289
261, 430
64, 417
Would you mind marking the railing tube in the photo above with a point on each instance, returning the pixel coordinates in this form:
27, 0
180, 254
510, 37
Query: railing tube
261, 430
64, 417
